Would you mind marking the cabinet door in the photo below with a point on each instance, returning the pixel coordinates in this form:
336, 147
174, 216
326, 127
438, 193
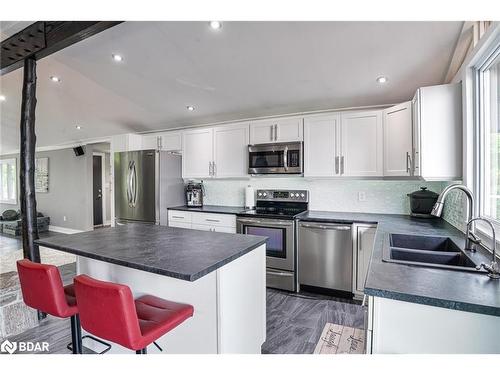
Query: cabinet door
231, 151
170, 142
365, 236
321, 157
262, 132
362, 144
289, 130
398, 140
197, 153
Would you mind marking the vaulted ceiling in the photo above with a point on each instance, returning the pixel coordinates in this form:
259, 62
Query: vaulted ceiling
245, 69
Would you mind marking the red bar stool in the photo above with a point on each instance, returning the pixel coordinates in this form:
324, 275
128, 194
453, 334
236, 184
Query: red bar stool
109, 311
43, 290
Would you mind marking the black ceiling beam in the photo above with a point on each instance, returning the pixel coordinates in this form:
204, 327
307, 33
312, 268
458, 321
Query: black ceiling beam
44, 38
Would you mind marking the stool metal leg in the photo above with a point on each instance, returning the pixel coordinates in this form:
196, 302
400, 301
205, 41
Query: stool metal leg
76, 335
142, 351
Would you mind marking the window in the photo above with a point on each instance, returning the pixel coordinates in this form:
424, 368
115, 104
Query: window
488, 115
8, 181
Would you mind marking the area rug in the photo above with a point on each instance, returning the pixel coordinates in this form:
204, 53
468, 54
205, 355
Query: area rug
339, 339
49, 256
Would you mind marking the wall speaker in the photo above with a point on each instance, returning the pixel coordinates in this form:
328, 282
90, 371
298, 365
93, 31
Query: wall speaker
79, 150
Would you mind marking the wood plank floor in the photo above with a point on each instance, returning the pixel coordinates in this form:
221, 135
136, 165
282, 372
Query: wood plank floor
294, 321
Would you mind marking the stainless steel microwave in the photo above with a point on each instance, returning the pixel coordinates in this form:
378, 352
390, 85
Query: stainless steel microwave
276, 158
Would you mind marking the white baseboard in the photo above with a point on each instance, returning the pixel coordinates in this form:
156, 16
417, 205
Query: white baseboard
53, 228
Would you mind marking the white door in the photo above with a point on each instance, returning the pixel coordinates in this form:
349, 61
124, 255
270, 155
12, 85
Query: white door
263, 132
365, 238
361, 147
398, 140
289, 130
197, 153
321, 158
231, 151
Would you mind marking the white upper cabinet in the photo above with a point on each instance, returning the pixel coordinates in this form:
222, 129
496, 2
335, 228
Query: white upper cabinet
276, 130
219, 152
321, 151
437, 126
361, 146
398, 140
171, 141
231, 151
197, 153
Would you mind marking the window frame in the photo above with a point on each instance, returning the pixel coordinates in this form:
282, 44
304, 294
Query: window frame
481, 115
14, 201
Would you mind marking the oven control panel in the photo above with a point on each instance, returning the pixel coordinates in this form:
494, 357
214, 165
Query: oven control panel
283, 195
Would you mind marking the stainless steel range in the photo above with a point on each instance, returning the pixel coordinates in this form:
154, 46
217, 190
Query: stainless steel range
274, 217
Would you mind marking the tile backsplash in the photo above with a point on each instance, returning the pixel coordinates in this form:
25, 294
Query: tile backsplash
327, 194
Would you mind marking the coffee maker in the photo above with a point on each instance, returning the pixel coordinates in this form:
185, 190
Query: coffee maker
194, 194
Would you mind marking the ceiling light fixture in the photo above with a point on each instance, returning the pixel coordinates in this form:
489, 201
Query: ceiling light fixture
55, 79
215, 25
190, 108
78, 127
117, 58
2, 98
382, 79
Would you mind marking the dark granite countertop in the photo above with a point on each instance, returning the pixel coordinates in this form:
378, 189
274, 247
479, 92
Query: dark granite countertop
231, 210
180, 253
465, 291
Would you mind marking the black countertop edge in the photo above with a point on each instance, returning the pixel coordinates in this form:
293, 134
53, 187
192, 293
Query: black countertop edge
228, 210
436, 302
158, 271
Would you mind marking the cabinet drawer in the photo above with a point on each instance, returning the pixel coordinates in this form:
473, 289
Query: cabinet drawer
179, 224
182, 216
214, 228
222, 220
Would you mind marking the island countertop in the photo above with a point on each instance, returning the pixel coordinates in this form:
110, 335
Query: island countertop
176, 252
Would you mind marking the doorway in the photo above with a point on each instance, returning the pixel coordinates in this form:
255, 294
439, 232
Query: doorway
98, 191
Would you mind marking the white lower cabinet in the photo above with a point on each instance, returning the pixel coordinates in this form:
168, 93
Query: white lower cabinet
364, 237
401, 327
225, 223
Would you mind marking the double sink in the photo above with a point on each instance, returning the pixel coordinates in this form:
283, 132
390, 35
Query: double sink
427, 251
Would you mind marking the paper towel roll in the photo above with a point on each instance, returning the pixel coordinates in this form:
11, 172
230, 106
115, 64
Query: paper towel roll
249, 197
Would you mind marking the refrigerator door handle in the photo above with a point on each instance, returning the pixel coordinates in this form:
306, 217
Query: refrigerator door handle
134, 185
129, 184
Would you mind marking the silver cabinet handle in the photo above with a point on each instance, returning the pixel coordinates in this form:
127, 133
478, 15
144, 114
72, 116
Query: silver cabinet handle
275, 132
214, 169
213, 220
342, 165
271, 138
158, 143
408, 163
285, 158
210, 168
177, 217
326, 226
336, 165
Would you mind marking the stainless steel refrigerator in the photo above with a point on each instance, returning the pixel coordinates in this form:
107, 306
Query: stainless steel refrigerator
147, 182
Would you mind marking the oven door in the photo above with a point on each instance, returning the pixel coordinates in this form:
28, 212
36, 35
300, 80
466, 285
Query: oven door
280, 244
277, 158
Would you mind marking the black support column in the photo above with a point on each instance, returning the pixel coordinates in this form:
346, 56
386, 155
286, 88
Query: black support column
27, 161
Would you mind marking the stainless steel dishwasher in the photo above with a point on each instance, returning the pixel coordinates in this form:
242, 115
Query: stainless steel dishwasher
325, 255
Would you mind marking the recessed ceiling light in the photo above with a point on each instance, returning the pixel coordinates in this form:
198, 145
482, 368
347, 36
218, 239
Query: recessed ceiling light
78, 127
190, 108
2, 98
116, 57
55, 79
215, 25
382, 79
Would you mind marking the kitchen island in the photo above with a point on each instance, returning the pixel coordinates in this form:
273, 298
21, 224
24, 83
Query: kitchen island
222, 275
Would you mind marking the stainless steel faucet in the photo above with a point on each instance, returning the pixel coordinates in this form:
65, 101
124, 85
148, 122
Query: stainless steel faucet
471, 239
493, 269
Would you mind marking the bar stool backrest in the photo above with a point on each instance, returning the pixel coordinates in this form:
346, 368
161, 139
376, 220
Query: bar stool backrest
43, 289
107, 310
